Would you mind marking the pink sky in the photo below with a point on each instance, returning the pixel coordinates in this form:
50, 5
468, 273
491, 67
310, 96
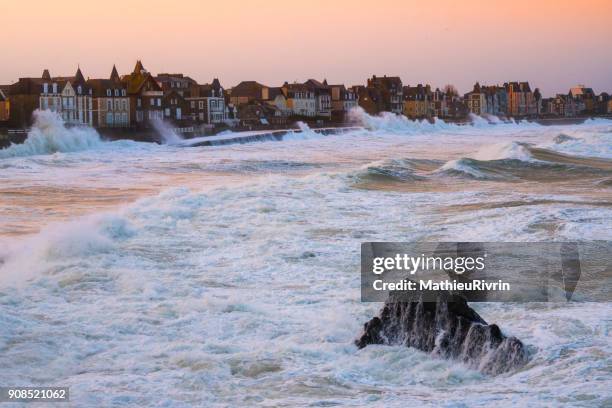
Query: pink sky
552, 43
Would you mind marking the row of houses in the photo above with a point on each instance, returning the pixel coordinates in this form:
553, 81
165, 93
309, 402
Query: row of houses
139, 99
135, 100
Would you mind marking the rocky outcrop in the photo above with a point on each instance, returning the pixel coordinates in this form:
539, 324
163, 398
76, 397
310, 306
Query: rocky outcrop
447, 328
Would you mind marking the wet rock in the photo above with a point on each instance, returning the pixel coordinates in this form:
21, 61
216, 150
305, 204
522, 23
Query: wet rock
447, 328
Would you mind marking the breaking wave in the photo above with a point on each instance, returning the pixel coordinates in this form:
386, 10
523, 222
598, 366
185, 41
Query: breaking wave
49, 135
522, 161
391, 123
515, 161
167, 135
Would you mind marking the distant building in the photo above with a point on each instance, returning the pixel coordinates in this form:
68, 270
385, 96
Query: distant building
439, 103
560, 105
343, 99
521, 101
145, 97
77, 100
248, 91
70, 97
369, 99
111, 102
301, 99
278, 99
322, 93
181, 84
213, 94
176, 107
257, 114
5, 106
601, 103
584, 98
476, 100
390, 91
24, 97
418, 101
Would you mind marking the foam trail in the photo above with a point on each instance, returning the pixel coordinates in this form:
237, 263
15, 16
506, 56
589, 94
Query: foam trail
49, 135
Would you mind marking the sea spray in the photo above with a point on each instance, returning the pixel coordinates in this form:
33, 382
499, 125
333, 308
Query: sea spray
392, 123
49, 135
166, 133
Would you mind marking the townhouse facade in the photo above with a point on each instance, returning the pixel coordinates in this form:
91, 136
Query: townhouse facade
248, 91
145, 96
69, 97
390, 92
417, 101
585, 97
369, 99
322, 93
111, 102
5, 106
301, 99
343, 100
439, 103
521, 100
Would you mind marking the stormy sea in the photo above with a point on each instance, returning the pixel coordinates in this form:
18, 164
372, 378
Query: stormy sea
140, 274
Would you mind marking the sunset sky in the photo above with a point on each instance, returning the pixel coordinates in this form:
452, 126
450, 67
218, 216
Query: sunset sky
552, 43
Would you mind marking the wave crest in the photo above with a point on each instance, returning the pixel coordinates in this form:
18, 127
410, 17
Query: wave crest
49, 135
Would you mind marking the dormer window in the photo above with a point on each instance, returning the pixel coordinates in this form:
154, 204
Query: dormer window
108, 92
123, 92
45, 88
79, 90
54, 88
116, 92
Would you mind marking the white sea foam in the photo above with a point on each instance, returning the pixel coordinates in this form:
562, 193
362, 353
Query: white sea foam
248, 294
504, 151
50, 135
167, 133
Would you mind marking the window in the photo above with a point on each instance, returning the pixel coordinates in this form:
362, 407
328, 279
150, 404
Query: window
45, 88
124, 118
123, 92
192, 104
108, 92
201, 104
167, 112
109, 118
124, 104
109, 104
55, 88
139, 102
116, 92
159, 102
152, 101
79, 90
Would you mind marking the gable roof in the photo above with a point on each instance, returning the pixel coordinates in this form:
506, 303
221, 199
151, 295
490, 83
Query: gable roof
251, 89
114, 74
99, 86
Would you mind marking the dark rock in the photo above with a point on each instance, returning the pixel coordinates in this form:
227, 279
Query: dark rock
448, 328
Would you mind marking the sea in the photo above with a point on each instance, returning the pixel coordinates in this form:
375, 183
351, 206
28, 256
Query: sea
177, 275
